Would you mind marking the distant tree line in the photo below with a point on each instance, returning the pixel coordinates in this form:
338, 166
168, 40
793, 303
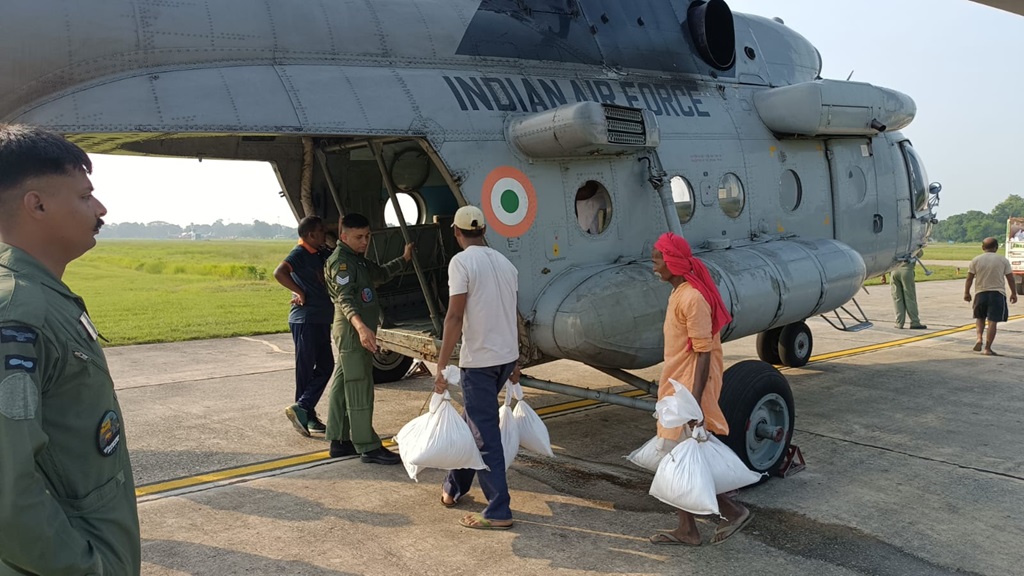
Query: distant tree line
975, 225
217, 230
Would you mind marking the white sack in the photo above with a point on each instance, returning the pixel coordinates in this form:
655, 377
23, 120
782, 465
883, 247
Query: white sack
533, 434
509, 429
678, 409
413, 429
727, 469
650, 454
683, 479
444, 442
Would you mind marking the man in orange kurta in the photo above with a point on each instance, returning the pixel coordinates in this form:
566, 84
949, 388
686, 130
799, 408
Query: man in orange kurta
687, 336
693, 357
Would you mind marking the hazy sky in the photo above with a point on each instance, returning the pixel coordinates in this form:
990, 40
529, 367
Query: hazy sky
957, 59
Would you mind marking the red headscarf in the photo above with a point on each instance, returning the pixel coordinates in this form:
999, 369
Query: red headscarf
680, 261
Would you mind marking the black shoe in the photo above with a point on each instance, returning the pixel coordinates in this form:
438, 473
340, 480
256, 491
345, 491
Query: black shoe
381, 456
342, 448
298, 418
315, 425
918, 327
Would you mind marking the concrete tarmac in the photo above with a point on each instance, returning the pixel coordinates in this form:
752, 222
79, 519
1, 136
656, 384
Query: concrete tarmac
914, 466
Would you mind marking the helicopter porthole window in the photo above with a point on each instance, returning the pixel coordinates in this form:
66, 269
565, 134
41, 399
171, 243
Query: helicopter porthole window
410, 169
730, 195
593, 207
790, 191
412, 209
682, 196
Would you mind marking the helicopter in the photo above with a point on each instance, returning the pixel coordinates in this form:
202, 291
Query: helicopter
582, 128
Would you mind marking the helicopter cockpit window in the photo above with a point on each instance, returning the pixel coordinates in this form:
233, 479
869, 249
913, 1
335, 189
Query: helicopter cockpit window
918, 179
730, 195
682, 196
412, 209
790, 191
593, 207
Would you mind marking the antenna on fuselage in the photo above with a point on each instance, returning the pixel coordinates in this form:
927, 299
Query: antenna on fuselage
850, 76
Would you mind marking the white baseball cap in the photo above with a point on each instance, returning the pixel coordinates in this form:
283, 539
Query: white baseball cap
469, 218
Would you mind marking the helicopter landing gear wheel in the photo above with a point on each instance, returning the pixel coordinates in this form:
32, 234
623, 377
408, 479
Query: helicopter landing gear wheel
758, 406
795, 344
768, 345
389, 366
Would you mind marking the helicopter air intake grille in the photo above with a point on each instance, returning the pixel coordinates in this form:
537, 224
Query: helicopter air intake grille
625, 125
621, 126
631, 139
584, 129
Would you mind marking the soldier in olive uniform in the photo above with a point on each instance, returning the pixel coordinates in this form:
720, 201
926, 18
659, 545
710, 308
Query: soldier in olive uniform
904, 295
352, 281
67, 495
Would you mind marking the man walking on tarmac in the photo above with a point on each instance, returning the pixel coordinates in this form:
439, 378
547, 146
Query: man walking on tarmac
990, 269
67, 495
482, 288
352, 281
693, 326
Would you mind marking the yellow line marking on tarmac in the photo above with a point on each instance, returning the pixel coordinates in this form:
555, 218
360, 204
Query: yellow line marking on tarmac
556, 409
228, 473
901, 342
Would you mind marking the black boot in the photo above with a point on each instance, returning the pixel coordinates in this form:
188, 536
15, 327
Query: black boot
342, 448
381, 456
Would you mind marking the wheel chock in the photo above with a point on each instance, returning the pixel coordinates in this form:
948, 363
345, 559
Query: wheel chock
792, 462
418, 368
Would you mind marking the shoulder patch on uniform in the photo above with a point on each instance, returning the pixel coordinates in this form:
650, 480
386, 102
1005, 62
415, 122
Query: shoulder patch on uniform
342, 280
342, 267
23, 363
19, 334
108, 433
18, 397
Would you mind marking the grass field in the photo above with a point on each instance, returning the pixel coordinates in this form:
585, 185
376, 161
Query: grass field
166, 291
952, 251
938, 273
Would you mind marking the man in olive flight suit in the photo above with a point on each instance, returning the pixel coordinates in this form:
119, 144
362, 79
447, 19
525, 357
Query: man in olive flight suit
67, 495
904, 295
352, 281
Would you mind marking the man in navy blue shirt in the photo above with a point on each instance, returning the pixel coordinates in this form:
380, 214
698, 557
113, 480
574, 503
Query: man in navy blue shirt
310, 320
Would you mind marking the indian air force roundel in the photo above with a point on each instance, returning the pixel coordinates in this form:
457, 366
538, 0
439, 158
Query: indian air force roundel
509, 201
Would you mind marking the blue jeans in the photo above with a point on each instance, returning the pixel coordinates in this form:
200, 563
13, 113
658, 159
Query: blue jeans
314, 363
480, 387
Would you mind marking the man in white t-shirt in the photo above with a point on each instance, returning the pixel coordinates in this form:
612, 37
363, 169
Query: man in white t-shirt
482, 291
987, 272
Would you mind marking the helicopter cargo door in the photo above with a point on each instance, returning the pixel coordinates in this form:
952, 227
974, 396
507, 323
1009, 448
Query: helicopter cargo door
856, 221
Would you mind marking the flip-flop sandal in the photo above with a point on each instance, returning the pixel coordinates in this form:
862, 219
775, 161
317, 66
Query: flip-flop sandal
728, 531
447, 505
991, 353
977, 347
478, 522
662, 538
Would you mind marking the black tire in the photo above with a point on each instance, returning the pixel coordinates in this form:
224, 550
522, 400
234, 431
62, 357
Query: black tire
389, 367
795, 344
768, 345
1019, 281
754, 393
